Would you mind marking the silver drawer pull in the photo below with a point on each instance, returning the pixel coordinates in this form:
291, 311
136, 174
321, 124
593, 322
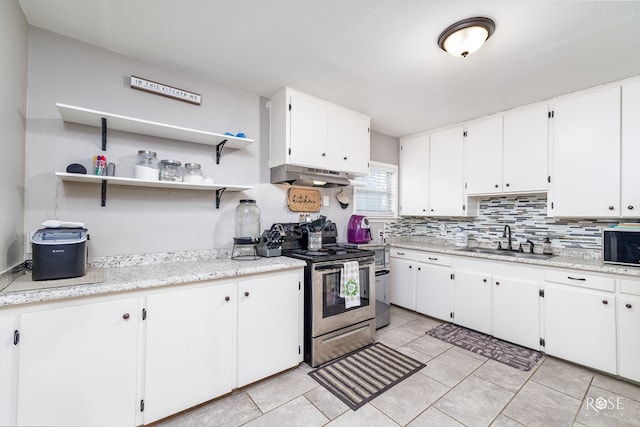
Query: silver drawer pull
576, 278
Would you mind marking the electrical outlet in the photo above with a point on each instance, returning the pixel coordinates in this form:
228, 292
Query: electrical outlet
27, 242
380, 234
443, 229
325, 200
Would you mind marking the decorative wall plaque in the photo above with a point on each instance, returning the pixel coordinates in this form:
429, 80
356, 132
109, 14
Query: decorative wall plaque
164, 90
304, 199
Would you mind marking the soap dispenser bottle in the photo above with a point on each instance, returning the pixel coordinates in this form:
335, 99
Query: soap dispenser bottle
546, 247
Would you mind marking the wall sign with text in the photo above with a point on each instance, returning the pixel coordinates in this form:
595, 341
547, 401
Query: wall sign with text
303, 199
164, 90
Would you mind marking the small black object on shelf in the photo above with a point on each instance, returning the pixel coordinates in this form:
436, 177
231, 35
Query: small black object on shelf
76, 168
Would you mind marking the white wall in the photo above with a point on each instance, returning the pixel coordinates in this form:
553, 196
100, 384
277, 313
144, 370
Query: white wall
137, 220
385, 148
13, 87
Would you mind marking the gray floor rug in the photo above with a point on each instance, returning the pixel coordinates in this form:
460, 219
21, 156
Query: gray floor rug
521, 358
358, 377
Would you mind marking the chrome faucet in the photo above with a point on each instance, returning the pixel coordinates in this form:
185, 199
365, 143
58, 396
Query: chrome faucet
507, 229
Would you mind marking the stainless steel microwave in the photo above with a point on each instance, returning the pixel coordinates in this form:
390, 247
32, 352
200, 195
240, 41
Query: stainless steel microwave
621, 246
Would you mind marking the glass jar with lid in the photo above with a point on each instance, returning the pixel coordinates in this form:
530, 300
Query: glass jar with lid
247, 222
147, 166
170, 170
192, 173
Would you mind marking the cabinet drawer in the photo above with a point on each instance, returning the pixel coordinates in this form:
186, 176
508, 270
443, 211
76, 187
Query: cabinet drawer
433, 258
402, 253
628, 286
577, 278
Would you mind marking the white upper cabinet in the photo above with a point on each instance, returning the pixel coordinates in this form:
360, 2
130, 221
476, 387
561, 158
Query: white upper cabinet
483, 156
630, 158
525, 150
354, 142
308, 131
507, 153
585, 160
414, 175
309, 137
446, 179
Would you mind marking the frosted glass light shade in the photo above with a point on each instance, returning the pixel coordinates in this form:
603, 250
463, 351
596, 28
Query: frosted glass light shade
467, 36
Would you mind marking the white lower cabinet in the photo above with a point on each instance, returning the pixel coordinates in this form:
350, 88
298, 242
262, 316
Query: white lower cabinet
472, 300
580, 325
628, 327
516, 310
629, 344
434, 286
77, 365
109, 361
189, 348
268, 325
403, 278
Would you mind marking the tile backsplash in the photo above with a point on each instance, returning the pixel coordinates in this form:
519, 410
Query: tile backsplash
525, 214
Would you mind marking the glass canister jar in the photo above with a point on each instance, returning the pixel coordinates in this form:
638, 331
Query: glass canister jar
147, 166
170, 170
192, 173
247, 222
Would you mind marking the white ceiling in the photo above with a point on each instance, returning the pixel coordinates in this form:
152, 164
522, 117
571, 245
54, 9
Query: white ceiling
379, 57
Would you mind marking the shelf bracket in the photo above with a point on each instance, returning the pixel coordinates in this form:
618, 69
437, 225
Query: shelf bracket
103, 194
104, 134
219, 151
219, 192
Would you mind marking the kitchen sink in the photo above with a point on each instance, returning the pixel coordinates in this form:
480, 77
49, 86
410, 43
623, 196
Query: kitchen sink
506, 252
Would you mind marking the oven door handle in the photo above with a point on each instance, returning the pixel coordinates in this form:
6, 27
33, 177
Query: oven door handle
338, 266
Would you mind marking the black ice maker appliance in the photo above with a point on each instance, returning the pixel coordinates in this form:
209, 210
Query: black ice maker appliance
59, 253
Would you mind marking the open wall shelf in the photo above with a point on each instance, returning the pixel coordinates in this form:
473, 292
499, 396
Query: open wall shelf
104, 120
132, 182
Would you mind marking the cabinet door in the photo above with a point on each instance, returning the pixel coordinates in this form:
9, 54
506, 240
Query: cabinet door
483, 156
309, 133
472, 301
629, 344
585, 181
414, 175
630, 150
77, 365
268, 319
516, 311
189, 348
524, 150
403, 291
580, 325
446, 179
355, 143
433, 291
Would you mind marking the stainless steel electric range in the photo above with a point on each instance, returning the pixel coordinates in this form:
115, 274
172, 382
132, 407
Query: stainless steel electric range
330, 329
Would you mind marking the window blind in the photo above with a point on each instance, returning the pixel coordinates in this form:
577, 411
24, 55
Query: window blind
376, 196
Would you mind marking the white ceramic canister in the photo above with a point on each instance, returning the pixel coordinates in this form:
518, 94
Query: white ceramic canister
461, 238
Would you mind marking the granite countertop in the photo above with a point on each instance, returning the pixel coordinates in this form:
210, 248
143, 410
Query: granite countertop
577, 260
143, 273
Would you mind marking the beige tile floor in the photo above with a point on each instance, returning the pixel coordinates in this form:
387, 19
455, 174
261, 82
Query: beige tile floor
456, 388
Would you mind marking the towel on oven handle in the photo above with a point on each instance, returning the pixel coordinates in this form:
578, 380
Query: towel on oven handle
350, 284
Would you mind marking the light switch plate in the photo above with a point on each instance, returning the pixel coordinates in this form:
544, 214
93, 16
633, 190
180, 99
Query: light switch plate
325, 200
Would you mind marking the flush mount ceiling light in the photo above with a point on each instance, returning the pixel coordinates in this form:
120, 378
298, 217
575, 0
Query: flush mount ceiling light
465, 37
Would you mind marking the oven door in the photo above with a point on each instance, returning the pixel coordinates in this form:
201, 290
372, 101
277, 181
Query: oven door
329, 310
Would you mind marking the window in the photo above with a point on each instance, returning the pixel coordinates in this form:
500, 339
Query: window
376, 194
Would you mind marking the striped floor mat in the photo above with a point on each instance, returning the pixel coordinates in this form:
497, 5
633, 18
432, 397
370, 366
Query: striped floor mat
366, 373
518, 357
